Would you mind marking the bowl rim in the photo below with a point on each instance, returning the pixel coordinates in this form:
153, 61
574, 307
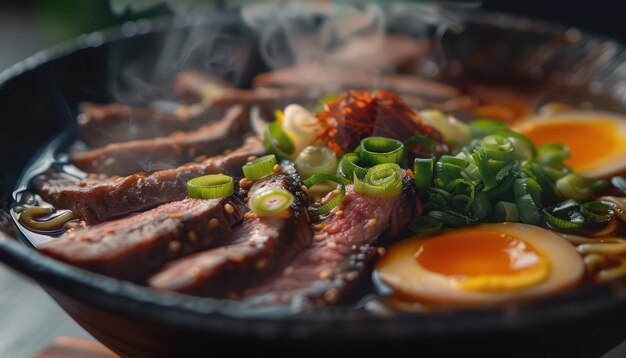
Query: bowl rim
190, 312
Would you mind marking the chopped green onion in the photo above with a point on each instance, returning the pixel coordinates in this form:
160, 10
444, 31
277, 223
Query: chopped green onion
570, 223
497, 147
420, 140
260, 168
336, 200
599, 185
210, 186
481, 207
380, 150
619, 182
484, 127
313, 160
270, 201
573, 186
425, 226
276, 141
525, 186
380, 181
485, 169
505, 211
459, 162
523, 148
556, 173
452, 219
349, 166
423, 170
528, 211
553, 154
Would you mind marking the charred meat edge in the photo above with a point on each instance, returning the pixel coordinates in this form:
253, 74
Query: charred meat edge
169, 152
342, 251
133, 247
97, 200
253, 252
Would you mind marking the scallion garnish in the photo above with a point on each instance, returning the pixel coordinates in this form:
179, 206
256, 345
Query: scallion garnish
379, 150
260, 168
277, 142
505, 211
425, 226
350, 166
313, 160
573, 186
210, 186
380, 181
484, 127
336, 200
423, 169
270, 201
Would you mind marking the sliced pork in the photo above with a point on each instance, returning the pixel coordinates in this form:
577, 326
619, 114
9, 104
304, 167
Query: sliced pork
251, 254
165, 152
132, 247
97, 200
342, 250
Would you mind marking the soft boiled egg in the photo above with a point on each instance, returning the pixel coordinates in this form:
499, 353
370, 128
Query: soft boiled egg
597, 140
480, 266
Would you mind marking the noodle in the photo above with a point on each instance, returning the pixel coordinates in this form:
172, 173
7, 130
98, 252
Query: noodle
592, 261
612, 273
30, 214
602, 248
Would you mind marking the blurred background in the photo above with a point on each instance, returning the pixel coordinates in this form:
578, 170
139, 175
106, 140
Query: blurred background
29, 319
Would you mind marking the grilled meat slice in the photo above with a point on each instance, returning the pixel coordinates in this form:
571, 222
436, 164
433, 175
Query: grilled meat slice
165, 152
97, 200
342, 250
255, 250
101, 124
133, 247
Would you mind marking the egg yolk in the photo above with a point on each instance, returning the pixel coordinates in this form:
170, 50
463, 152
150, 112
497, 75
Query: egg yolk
483, 260
588, 141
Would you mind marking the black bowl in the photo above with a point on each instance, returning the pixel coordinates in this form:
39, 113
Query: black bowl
39, 97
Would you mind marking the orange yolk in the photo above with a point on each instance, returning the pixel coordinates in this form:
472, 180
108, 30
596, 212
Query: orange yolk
483, 253
587, 142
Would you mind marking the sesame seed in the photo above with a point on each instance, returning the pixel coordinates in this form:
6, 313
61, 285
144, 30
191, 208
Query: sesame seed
304, 189
245, 183
236, 258
335, 192
111, 232
381, 251
193, 237
72, 225
174, 246
276, 169
285, 214
339, 213
213, 223
320, 236
176, 216
246, 199
250, 215
332, 244
410, 173
370, 223
196, 271
326, 273
288, 270
244, 192
319, 226
229, 209
331, 295
261, 264
82, 184
252, 157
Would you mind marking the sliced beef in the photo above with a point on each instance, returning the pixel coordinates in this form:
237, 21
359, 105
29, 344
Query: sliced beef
251, 254
96, 200
341, 253
341, 77
193, 86
132, 247
101, 124
165, 152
